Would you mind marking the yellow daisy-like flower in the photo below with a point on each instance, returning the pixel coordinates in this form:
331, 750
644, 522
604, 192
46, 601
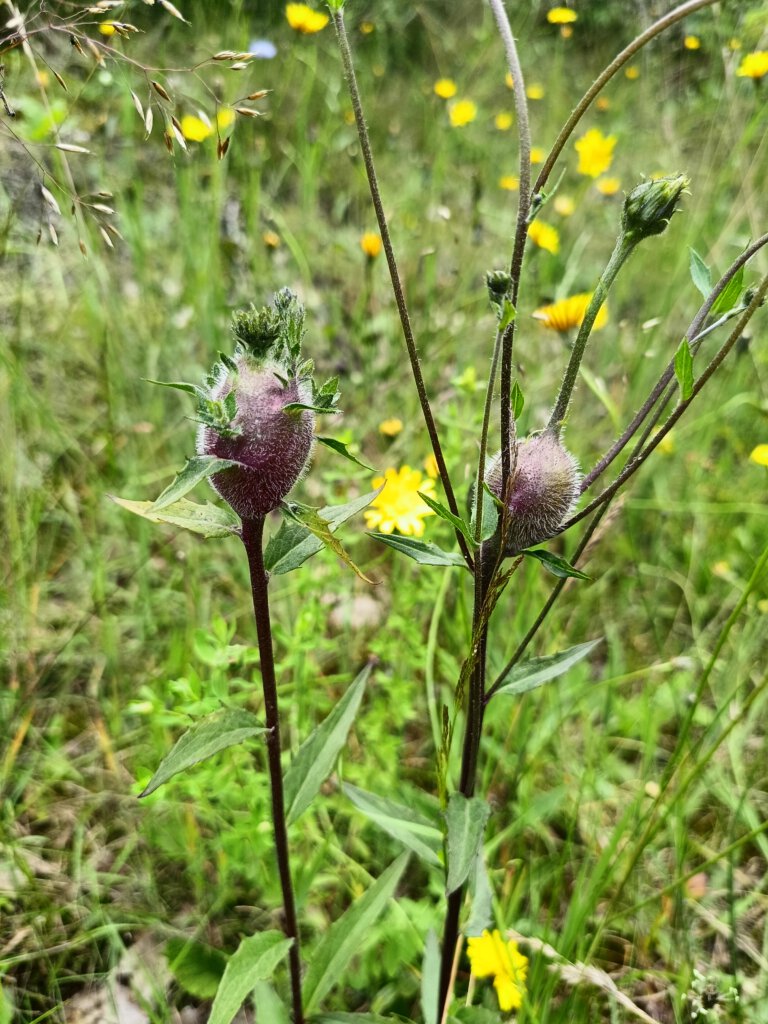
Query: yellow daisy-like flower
445, 88
430, 466
632, 72
304, 19
399, 506
535, 91
391, 427
370, 243
568, 314
462, 112
545, 236
107, 28
537, 155
595, 152
503, 121
760, 455
564, 205
491, 956
509, 182
692, 43
561, 16
194, 128
754, 65
608, 186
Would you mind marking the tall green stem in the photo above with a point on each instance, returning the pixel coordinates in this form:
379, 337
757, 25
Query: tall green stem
252, 536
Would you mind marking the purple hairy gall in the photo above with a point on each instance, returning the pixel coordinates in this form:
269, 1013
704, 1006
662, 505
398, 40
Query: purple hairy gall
543, 489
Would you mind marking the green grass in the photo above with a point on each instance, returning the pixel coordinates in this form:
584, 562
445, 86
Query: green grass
609, 788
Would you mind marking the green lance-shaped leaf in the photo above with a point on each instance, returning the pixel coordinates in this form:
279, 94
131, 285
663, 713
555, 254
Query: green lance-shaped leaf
684, 369
269, 1006
207, 520
528, 675
700, 274
197, 968
466, 819
179, 385
317, 755
198, 468
448, 516
255, 960
347, 934
555, 564
730, 295
294, 544
410, 828
313, 520
342, 449
207, 737
517, 400
430, 978
421, 551
481, 908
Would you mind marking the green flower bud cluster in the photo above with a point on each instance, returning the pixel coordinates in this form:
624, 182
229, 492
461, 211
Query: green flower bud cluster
650, 205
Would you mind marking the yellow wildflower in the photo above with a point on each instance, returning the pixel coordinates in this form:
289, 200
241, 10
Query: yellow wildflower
567, 314
545, 236
271, 239
595, 152
445, 88
603, 103
561, 16
535, 91
566, 31
692, 43
734, 43
225, 117
107, 28
462, 112
370, 243
430, 466
503, 121
760, 455
304, 19
608, 186
537, 155
509, 182
42, 78
491, 956
509, 80
754, 65
391, 427
399, 506
632, 72
194, 128
564, 205
366, 27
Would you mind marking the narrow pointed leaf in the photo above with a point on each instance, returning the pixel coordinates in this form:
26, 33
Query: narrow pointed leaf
198, 468
517, 400
313, 520
421, 551
730, 295
317, 755
528, 675
412, 829
255, 960
700, 274
207, 520
207, 737
448, 516
347, 934
684, 369
558, 566
269, 1005
430, 978
180, 385
341, 449
466, 819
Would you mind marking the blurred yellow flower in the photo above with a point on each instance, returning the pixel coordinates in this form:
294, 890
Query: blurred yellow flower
509, 182
366, 27
304, 19
760, 455
445, 88
632, 72
566, 314
537, 155
391, 428
503, 121
667, 444
370, 243
271, 239
491, 956
42, 78
545, 236
225, 117
692, 43
194, 128
566, 31
734, 44
754, 65
107, 28
608, 186
595, 152
462, 112
509, 80
535, 91
561, 16
430, 466
564, 205
603, 103
399, 506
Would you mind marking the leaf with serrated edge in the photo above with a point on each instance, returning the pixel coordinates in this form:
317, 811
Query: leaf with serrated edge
312, 520
208, 520
528, 675
317, 755
403, 823
421, 551
556, 565
341, 449
198, 468
344, 938
207, 737
255, 959
466, 819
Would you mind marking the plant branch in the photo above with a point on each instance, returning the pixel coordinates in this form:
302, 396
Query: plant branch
394, 273
252, 536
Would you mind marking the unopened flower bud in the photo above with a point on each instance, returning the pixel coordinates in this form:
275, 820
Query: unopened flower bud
543, 490
498, 282
649, 207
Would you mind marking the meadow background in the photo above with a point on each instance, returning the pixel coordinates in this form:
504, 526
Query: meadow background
115, 634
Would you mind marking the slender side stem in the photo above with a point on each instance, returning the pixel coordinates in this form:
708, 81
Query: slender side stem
252, 535
394, 273
623, 249
521, 231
